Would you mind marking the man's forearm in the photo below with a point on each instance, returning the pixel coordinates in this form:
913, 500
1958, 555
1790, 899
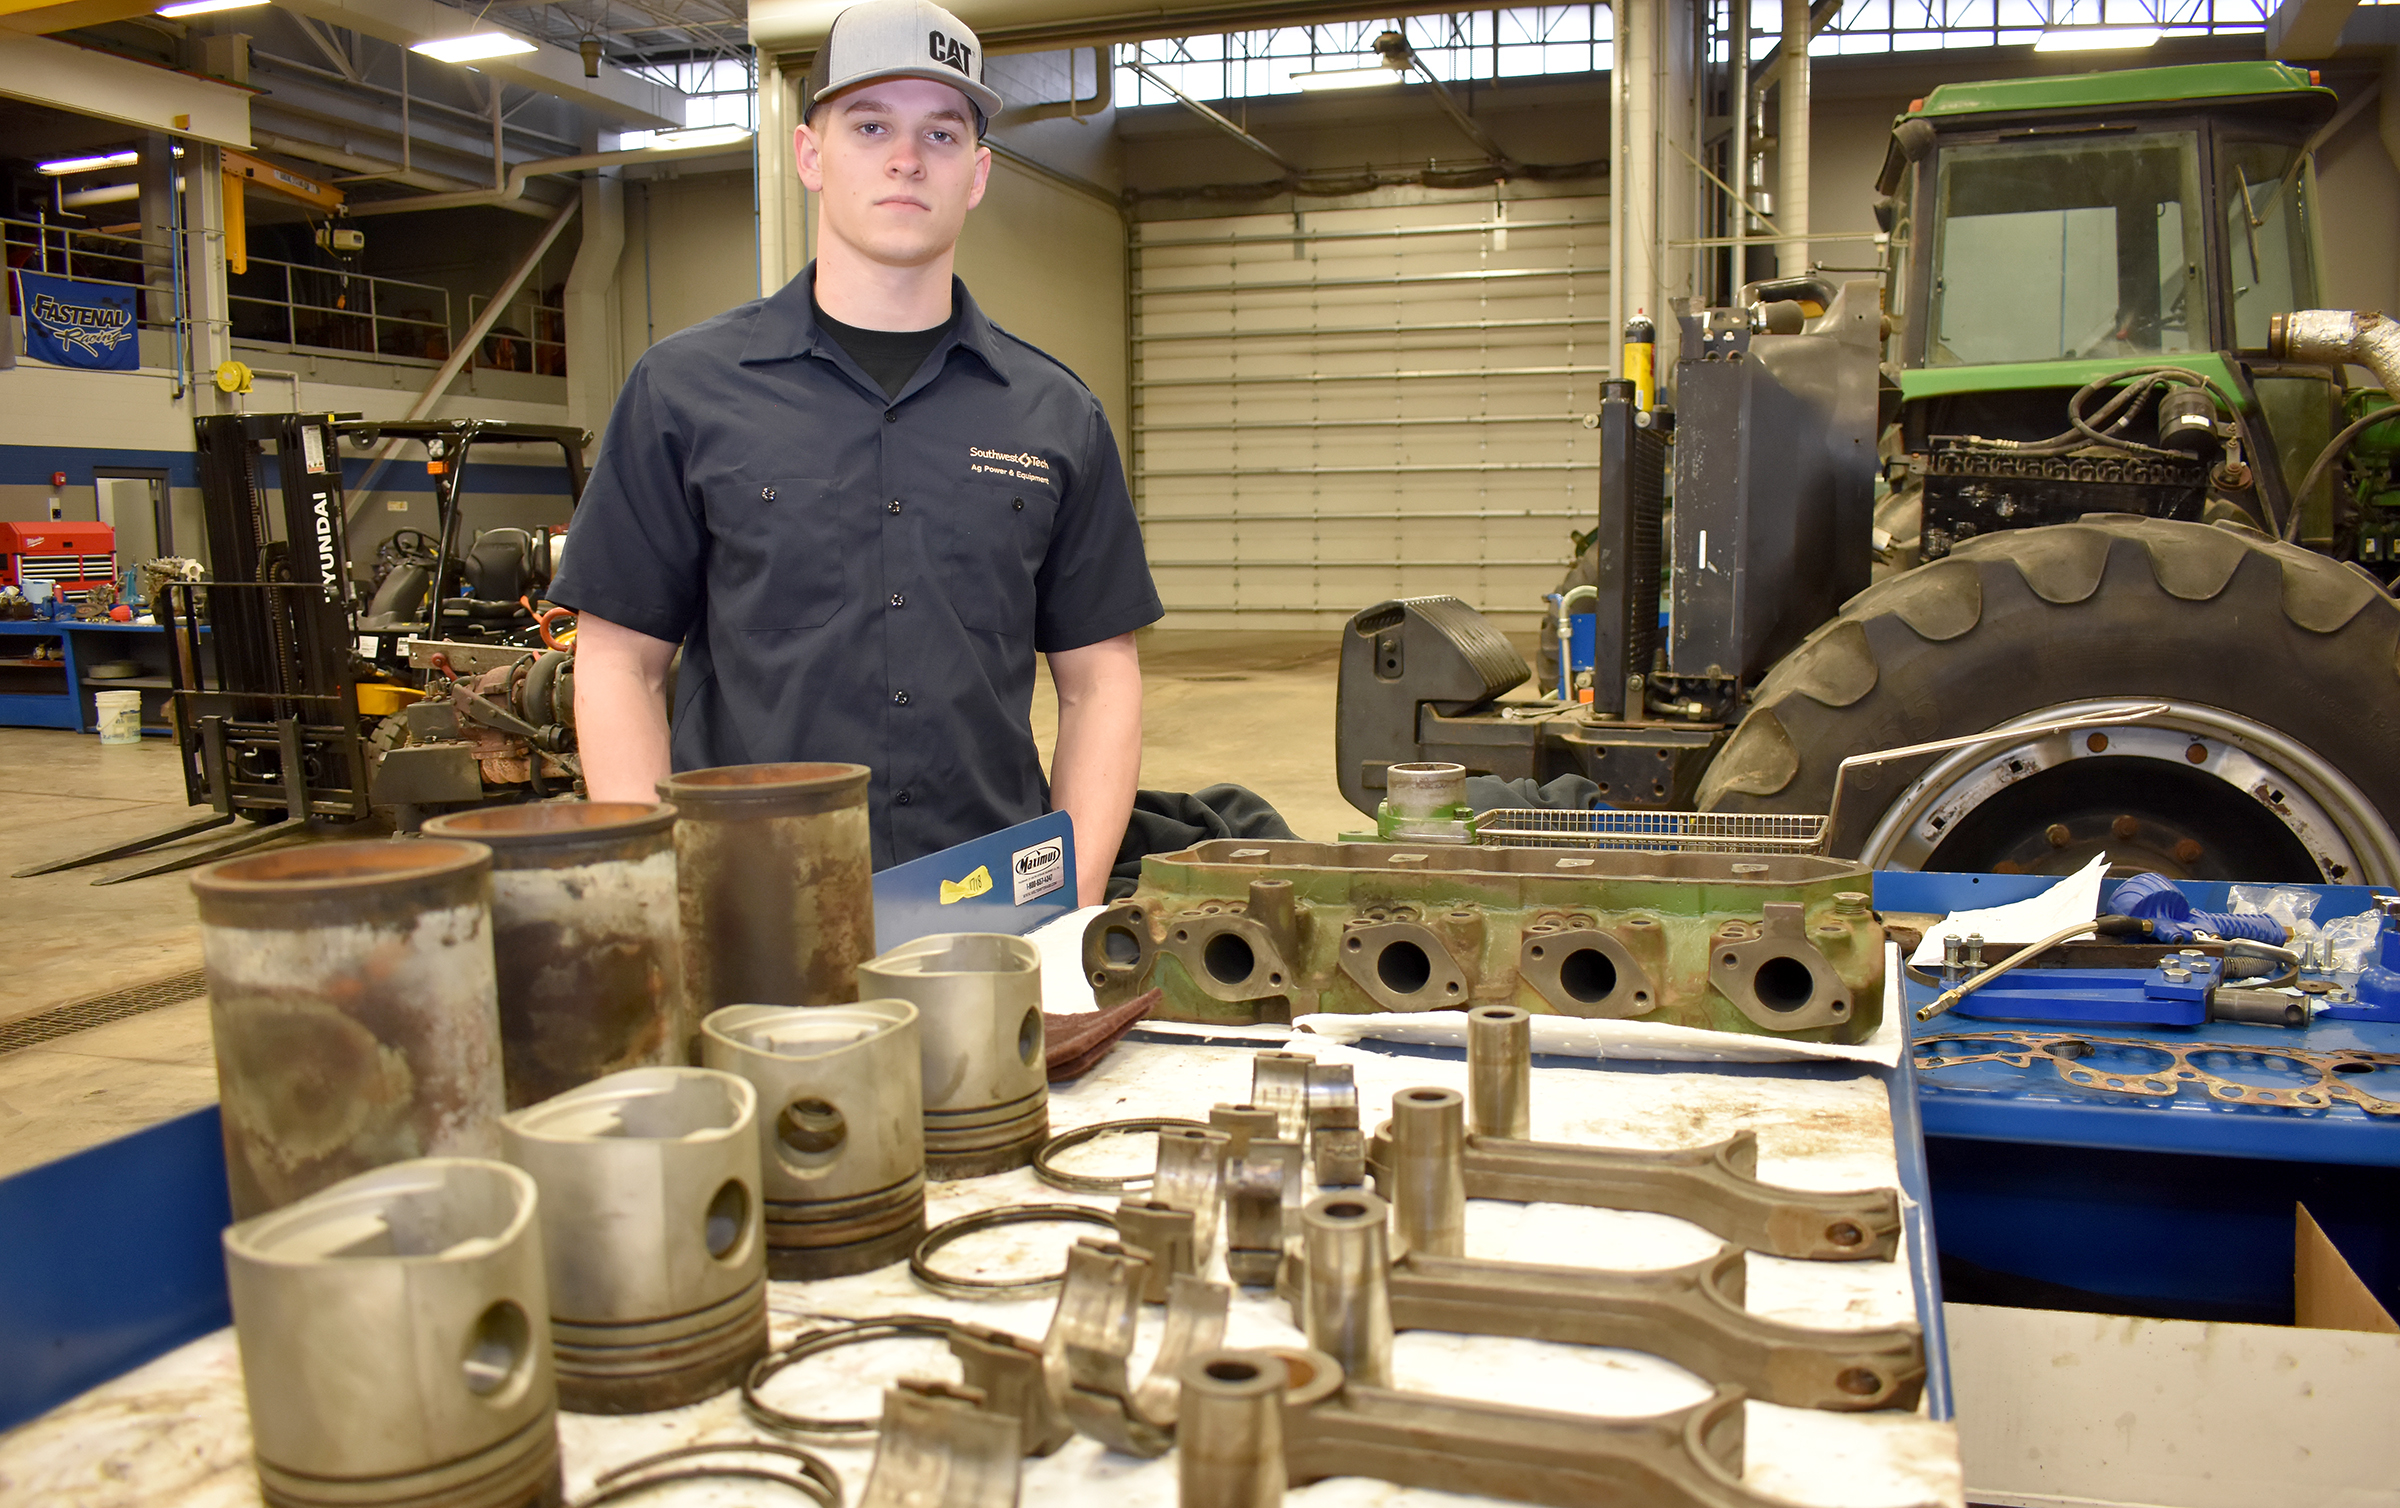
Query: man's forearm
1099, 759
621, 711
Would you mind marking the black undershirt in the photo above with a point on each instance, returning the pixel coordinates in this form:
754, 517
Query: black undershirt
891, 357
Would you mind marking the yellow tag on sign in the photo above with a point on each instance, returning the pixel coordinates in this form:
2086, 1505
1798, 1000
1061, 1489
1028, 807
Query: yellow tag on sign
969, 888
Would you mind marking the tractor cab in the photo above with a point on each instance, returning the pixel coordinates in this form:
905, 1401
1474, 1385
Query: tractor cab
2051, 233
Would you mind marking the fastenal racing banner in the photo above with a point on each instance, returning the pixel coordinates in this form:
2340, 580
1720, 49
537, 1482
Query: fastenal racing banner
73, 324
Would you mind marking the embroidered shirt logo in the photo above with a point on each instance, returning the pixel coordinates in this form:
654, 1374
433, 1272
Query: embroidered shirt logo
1024, 465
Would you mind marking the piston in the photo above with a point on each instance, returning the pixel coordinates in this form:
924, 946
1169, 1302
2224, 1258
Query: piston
650, 1217
395, 1342
584, 940
352, 999
776, 880
979, 1023
841, 1129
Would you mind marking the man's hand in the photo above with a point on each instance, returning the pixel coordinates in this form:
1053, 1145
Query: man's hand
621, 710
1099, 752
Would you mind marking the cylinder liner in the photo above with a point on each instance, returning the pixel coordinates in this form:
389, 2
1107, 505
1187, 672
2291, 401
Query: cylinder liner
585, 940
1425, 790
1346, 1298
650, 1205
353, 1002
979, 1024
395, 1341
777, 882
841, 1129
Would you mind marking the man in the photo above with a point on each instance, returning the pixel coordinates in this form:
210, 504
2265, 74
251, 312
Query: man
862, 508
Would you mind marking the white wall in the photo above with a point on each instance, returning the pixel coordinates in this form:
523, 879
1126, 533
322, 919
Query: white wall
691, 252
1047, 263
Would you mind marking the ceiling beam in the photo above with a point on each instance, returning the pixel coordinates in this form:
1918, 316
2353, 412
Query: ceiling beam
790, 28
2307, 28
620, 96
83, 82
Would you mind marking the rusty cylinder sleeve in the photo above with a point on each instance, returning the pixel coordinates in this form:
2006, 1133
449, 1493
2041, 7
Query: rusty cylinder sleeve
353, 1002
394, 1339
650, 1215
777, 882
841, 1129
584, 940
979, 1024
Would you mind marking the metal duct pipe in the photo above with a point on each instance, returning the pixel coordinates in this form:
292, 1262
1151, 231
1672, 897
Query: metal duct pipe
2336, 336
588, 956
513, 187
777, 881
395, 1341
1346, 1290
354, 1007
841, 1129
979, 1025
1791, 143
650, 1209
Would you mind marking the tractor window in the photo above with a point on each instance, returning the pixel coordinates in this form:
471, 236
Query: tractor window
2267, 227
2047, 248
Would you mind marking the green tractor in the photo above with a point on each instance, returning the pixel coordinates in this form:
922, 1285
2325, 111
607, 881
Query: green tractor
2086, 455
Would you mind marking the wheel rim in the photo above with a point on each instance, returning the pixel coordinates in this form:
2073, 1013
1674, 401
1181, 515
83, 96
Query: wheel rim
2191, 792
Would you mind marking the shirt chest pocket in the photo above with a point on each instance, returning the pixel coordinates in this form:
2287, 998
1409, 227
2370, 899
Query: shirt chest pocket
989, 541
779, 552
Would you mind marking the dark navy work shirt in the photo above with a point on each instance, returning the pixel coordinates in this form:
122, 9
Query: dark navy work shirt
857, 577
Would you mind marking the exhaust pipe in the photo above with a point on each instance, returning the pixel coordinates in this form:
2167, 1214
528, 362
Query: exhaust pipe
2336, 336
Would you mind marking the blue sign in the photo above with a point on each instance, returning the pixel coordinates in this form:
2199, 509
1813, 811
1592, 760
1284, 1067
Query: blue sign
1009, 881
72, 324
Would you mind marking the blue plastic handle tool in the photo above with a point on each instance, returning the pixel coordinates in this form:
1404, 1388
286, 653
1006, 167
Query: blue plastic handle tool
2155, 899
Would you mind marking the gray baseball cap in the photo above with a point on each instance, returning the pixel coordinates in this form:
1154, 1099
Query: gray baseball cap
902, 39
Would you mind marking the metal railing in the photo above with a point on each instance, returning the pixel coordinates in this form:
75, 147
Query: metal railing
531, 335
93, 256
328, 309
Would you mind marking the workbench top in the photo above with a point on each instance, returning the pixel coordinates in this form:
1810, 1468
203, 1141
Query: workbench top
174, 1433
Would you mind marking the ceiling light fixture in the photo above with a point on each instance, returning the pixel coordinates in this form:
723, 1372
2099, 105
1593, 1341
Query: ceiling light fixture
2097, 39
205, 7
88, 164
699, 136
1348, 78
474, 47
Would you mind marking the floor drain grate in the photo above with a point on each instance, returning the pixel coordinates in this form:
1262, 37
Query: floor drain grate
99, 1010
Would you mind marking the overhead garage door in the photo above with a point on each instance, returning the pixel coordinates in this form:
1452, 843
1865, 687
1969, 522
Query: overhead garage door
1342, 405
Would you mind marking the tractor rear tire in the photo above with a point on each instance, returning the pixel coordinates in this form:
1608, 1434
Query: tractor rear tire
2277, 758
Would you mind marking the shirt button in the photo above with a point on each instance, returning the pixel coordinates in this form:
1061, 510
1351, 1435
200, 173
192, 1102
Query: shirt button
767, 495
1019, 505
899, 599
891, 416
893, 506
900, 798
899, 698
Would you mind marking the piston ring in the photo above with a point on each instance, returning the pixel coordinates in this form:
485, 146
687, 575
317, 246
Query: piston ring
1096, 1183
920, 1266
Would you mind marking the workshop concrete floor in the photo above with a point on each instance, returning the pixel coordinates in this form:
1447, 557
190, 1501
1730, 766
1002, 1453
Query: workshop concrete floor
1252, 708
